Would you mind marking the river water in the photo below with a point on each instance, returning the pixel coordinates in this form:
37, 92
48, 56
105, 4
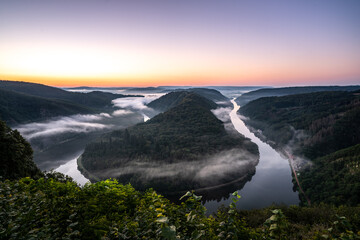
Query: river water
272, 182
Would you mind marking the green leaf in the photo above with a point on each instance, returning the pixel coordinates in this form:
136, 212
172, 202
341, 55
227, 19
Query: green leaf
162, 220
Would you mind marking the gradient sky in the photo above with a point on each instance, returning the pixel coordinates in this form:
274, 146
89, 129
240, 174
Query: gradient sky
189, 42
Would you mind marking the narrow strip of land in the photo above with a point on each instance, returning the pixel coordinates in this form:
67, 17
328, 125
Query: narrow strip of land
291, 159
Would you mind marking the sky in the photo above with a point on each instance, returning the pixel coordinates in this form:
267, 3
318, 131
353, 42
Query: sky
189, 42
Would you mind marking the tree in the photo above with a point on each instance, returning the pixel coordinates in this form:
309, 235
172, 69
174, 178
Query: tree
16, 160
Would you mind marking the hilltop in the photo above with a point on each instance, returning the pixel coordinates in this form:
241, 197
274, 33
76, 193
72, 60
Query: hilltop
172, 99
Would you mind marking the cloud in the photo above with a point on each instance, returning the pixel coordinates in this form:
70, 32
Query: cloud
210, 169
222, 114
121, 112
105, 115
135, 103
76, 124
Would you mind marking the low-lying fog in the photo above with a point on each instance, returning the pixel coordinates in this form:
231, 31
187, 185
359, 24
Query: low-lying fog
61, 139
208, 171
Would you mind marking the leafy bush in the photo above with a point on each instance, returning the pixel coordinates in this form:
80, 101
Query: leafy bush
52, 208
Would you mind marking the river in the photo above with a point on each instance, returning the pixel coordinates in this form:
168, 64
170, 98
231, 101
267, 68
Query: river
272, 182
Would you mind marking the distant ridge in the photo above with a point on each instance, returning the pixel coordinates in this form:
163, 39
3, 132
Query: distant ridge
270, 92
16, 108
95, 99
25, 102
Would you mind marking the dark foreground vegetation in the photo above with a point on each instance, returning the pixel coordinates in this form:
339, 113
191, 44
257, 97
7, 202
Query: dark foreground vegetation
16, 155
54, 207
325, 128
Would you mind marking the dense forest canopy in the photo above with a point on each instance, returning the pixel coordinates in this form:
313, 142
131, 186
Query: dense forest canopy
334, 178
314, 125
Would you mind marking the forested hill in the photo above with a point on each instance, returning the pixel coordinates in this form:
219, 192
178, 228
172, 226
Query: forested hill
314, 125
185, 133
23, 102
270, 92
16, 108
211, 94
173, 99
95, 99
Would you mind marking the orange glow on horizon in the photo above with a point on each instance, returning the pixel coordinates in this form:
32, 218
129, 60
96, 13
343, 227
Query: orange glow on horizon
287, 78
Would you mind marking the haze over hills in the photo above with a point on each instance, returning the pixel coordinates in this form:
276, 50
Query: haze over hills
23, 102
171, 151
269, 92
315, 125
16, 108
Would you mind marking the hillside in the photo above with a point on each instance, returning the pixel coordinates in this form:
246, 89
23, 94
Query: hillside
16, 108
23, 102
173, 141
173, 99
16, 155
94, 99
334, 178
210, 94
270, 92
312, 125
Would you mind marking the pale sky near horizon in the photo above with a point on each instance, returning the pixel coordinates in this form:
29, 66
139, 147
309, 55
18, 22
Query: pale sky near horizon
164, 42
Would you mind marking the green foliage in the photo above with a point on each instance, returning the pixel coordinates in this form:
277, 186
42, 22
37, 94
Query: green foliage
15, 155
276, 227
52, 208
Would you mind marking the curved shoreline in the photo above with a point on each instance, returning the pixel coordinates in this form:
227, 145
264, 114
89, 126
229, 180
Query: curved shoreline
85, 172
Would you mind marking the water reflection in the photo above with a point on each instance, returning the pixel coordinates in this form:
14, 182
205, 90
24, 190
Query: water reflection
70, 168
272, 182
